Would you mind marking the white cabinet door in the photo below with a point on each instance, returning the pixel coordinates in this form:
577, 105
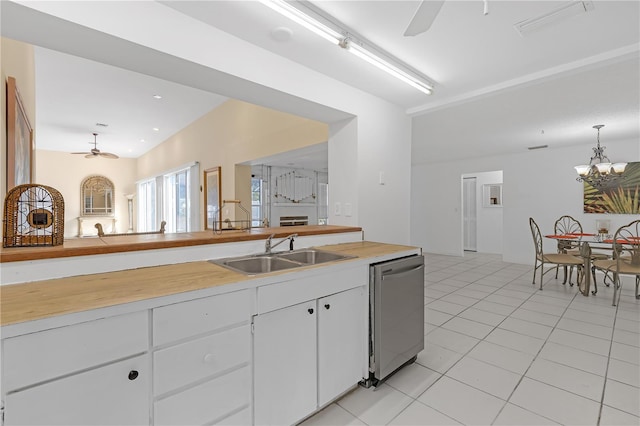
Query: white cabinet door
116, 394
341, 343
285, 376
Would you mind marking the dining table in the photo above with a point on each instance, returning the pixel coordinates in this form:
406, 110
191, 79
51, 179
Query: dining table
576, 240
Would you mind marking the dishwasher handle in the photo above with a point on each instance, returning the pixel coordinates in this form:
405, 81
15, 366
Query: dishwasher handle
402, 273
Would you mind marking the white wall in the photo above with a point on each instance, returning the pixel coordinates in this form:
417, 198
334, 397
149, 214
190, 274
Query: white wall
539, 184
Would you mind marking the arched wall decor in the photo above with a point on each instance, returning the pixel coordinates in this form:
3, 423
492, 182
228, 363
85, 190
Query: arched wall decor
97, 196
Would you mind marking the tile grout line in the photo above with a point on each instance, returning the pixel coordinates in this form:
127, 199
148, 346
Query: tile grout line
606, 372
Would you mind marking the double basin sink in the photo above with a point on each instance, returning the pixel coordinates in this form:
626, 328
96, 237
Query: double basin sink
272, 262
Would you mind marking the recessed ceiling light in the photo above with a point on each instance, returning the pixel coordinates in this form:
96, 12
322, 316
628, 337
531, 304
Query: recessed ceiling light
141, 140
155, 129
157, 96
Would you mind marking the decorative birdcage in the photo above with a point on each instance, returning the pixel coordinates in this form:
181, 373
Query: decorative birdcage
33, 216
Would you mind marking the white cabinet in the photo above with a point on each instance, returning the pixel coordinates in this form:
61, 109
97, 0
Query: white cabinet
201, 358
342, 342
116, 394
95, 372
285, 377
306, 355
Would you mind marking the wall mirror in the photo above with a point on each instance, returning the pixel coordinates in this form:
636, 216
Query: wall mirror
97, 196
212, 197
492, 195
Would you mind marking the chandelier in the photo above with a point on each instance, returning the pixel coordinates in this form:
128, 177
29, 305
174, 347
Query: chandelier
600, 172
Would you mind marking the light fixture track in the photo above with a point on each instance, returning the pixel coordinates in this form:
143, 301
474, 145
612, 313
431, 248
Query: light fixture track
344, 38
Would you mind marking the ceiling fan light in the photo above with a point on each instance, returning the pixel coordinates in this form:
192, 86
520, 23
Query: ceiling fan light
619, 168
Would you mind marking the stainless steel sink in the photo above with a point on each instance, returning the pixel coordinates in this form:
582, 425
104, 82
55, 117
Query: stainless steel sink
312, 256
263, 263
257, 264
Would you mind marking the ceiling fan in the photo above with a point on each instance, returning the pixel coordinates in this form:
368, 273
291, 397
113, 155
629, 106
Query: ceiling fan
426, 14
95, 152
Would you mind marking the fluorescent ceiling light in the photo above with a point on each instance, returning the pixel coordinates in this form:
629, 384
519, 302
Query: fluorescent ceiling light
569, 9
285, 9
385, 66
347, 42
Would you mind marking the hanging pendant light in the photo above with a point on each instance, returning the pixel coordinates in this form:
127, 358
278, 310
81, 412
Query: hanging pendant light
600, 172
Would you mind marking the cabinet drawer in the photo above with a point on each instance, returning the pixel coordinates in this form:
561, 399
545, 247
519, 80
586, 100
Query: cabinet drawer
185, 363
207, 402
41, 356
288, 293
186, 319
107, 395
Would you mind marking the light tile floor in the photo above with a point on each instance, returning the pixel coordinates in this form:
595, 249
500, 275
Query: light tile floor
499, 351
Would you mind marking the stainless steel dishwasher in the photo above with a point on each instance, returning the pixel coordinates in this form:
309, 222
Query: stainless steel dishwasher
396, 326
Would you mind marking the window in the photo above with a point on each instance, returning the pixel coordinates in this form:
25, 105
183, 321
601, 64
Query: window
176, 201
173, 197
256, 202
147, 220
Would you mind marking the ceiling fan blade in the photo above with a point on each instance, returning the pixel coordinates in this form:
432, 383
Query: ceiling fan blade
424, 17
108, 155
85, 153
90, 155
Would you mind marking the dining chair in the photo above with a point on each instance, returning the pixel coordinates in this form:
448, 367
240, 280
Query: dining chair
626, 253
567, 225
556, 259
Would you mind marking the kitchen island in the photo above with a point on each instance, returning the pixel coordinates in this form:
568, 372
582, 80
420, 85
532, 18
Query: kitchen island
188, 343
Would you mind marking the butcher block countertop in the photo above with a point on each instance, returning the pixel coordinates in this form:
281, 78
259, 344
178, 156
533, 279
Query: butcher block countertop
45, 299
127, 243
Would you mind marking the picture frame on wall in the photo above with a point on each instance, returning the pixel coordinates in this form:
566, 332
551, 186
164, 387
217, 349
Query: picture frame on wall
19, 139
212, 197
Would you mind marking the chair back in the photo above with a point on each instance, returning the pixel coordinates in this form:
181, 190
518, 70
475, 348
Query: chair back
567, 225
564, 226
626, 240
537, 237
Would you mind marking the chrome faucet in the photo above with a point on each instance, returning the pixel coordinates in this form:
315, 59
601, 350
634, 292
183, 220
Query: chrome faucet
268, 244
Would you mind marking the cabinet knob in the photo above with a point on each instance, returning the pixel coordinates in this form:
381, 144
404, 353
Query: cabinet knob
327, 306
310, 310
133, 374
208, 358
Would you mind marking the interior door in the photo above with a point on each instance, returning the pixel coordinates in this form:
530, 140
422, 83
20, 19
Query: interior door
470, 214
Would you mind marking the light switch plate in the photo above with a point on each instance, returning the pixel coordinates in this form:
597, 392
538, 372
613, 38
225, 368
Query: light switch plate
347, 209
337, 208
